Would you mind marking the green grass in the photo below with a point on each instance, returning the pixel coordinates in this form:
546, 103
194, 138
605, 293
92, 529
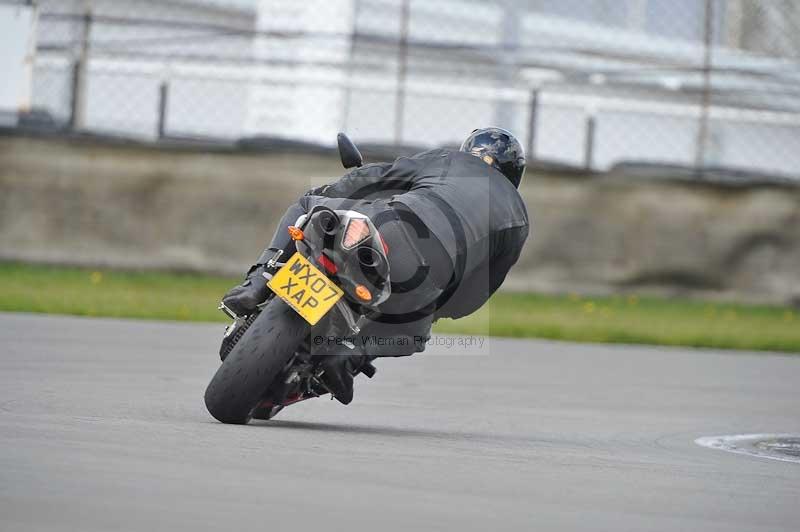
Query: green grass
160, 296
636, 320
629, 319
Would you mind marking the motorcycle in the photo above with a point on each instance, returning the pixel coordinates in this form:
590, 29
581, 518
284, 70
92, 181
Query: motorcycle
322, 294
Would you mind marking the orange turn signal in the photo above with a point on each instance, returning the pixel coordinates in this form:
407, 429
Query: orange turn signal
363, 292
295, 232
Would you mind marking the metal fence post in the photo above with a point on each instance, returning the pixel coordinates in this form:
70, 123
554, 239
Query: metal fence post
588, 149
163, 100
506, 59
349, 68
80, 71
402, 67
705, 104
533, 119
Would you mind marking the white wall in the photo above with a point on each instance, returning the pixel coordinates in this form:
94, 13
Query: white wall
17, 26
298, 84
297, 92
128, 63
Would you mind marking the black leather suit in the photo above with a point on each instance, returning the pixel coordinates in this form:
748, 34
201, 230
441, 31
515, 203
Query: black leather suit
451, 216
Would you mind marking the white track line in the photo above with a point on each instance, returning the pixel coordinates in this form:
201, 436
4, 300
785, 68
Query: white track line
734, 443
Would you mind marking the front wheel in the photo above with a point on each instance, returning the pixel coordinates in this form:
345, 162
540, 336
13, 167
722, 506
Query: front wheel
254, 362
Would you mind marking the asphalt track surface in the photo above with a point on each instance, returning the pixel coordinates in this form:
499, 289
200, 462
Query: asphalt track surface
103, 427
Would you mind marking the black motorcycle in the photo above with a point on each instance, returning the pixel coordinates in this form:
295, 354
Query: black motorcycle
320, 297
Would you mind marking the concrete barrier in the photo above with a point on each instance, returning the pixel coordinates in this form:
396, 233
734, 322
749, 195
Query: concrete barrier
124, 205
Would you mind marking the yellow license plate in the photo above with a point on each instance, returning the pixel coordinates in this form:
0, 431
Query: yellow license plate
305, 288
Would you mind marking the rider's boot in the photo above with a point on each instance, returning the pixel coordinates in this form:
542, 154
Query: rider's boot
338, 372
244, 298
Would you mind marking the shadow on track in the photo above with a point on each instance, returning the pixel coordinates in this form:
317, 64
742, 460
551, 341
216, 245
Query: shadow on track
398, 432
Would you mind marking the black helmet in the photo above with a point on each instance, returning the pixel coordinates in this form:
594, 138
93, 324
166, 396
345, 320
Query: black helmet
499, 148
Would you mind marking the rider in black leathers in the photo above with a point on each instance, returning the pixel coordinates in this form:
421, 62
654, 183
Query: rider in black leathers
454, 224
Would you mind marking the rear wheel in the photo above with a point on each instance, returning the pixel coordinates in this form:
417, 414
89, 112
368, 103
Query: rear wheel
254, 362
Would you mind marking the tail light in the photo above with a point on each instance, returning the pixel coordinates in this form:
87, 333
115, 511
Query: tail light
356, 232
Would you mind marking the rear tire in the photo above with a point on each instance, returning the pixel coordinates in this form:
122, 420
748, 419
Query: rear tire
257, 358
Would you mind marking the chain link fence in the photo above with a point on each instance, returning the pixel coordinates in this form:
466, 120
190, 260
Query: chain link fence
599, 84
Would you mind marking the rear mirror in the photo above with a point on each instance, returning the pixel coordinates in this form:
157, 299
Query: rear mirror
348, 153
